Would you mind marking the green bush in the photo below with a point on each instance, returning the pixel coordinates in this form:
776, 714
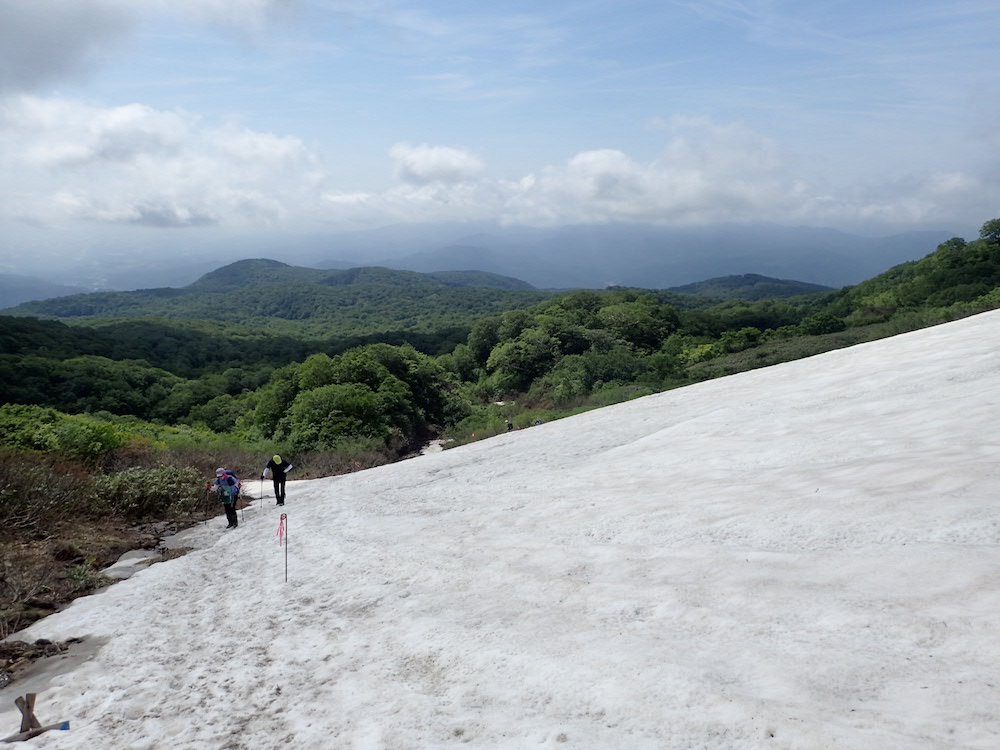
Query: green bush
80, 436
86, 577
28, 427
145, 493
87, 439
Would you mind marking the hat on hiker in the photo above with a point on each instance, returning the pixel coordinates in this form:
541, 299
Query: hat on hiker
220, 472
276, 458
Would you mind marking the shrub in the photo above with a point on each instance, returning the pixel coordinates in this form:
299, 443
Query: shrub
820, 323
86, 577
88, 439
143, 493
28, 427
39, 490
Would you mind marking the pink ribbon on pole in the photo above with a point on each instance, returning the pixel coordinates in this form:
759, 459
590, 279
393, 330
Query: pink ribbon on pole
281, 529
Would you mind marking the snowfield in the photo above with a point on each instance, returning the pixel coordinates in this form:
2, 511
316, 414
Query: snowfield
805, 556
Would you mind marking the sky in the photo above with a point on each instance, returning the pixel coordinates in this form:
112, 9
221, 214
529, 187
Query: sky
131, 127
801, 556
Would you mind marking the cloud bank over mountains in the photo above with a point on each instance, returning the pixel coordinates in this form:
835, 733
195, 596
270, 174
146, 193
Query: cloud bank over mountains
311, 117
126, 164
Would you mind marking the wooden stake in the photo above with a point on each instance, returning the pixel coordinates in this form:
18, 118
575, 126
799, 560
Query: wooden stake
30, 726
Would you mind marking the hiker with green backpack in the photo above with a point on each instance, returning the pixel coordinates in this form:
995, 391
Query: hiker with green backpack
228, 487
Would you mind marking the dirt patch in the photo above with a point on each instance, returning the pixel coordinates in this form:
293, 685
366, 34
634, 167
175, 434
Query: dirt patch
17, 656
39, 576
43, 573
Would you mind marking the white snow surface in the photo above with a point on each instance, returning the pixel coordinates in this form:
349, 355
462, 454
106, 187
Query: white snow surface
802, 556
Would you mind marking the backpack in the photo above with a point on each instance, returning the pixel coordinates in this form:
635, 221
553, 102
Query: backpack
228, 490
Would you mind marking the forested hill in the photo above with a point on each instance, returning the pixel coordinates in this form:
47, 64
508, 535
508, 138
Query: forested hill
542, 354
267, 296
748, 286
246, 273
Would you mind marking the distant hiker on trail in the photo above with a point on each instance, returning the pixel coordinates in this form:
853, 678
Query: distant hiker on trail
277, 468
509, 425
228, 487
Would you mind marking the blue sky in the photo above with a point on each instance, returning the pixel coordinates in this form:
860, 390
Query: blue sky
129, 124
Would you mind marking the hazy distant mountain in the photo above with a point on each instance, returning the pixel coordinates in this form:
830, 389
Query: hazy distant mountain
153, 272
748, 286
583, 256
479, 278
269, 296
244, 273
247, 273
16, 289
658, 257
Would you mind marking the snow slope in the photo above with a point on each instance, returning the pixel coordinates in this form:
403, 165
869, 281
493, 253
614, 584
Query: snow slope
803, 556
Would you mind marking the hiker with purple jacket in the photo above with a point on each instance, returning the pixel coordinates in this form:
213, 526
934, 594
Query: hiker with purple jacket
228, 487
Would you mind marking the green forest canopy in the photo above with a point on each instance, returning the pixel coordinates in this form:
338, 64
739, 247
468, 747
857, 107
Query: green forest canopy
546, 350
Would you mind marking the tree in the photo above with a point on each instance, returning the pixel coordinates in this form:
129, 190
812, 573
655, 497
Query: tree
274, 400
990, 232
519, 362
317, 370
951, 253
570, 337
483, 337
642, 321
737, 341
460, 362
820, 323
323, 416
513, 323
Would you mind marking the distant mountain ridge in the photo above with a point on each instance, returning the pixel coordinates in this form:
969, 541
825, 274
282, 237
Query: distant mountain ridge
255, 271
15, 289
655, 257
749, 286
270, 296
585, 256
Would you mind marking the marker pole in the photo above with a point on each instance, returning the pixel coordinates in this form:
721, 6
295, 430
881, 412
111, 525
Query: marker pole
283, 539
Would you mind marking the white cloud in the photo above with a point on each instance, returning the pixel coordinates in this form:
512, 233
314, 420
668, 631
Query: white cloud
426, 164
46, 42
242, 15
134, 164
920, 198
706, 173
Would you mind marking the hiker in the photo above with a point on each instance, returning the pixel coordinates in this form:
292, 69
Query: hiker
509, 425
228, 487
277, 468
